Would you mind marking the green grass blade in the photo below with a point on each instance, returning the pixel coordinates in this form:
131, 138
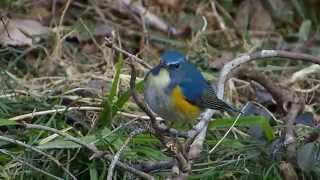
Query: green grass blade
105, 118
6, 122
246, 121
115, 82
125, 97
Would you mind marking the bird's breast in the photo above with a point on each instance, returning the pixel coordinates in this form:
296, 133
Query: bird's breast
186, 110
155, 93
169, 104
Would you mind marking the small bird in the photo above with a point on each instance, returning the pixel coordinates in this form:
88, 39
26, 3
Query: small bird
176, 90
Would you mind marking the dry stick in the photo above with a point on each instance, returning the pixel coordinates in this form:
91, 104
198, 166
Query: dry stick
14, 141
110, 44
147, 166
34, 114
28, 164
80, 108
290, 140
225, 134
150, 18
90, 147
282, 96
5, 24
196, 147
226, 14
117, 155
58, 35
222, 25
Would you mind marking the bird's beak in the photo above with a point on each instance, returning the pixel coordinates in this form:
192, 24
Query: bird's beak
161, 64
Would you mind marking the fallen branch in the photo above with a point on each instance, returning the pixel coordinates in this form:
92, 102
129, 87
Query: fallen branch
137, 9
282, 95
226, 72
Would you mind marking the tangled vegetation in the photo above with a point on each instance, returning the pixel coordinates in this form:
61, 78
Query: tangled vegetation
66, 84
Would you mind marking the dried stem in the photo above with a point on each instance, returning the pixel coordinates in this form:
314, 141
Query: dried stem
117, 155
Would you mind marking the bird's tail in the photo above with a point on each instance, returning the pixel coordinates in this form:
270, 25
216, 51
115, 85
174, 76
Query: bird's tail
224, 106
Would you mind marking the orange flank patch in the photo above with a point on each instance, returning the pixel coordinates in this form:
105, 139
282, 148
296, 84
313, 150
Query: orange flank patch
189, 111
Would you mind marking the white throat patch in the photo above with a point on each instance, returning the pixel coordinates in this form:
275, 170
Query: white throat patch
161, 80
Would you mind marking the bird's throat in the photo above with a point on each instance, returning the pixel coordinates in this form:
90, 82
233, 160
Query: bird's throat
161, 80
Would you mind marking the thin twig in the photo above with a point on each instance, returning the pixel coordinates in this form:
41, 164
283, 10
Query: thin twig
147, 166
5, 26
57, 47
281, 95
225, 134
150, 18
117, 155
290, 140
80, 108
14, 141
40, 113
110, 44
222, 24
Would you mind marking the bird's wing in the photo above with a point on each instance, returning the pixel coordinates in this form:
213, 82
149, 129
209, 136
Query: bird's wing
197, 91
210, 100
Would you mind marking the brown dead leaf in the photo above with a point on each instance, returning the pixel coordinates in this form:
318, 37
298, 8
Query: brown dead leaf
40, 14
261, 20
20, 32
89, 48
288, 171
252, 15
243, 15
221, 59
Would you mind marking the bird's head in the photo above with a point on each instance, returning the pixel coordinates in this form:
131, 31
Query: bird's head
172, 58
170, 61
173, 67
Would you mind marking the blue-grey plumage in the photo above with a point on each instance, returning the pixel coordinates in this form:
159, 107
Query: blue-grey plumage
176, 90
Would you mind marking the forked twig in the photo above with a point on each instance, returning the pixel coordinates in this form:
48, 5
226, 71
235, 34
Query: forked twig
5, 24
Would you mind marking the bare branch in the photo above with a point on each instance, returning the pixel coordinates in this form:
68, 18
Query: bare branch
110, 44
227, 70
